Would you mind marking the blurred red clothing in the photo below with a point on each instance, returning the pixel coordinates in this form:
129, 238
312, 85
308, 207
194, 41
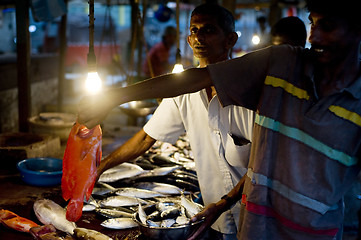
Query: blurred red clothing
158, 56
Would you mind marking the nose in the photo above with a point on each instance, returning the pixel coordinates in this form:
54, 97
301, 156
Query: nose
315, 35
200, 36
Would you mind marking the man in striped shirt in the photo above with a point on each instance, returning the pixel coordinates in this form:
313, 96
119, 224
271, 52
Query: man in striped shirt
307, 134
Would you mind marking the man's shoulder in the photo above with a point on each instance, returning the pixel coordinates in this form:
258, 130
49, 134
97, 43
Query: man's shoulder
286, 49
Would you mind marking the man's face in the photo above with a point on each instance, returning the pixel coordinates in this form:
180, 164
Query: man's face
207, 39
170, 40
331, 38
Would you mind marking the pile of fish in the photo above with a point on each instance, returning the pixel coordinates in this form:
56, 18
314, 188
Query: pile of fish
157, 178
56, 226
154, 190
168, 214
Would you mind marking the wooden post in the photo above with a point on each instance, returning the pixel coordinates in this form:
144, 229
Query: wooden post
23, 63
62, 52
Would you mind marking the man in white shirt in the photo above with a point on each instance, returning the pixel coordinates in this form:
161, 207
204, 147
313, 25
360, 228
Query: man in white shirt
219, 136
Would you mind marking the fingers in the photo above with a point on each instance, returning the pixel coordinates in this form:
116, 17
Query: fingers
197, 217
92, 123
89, 115
199, 231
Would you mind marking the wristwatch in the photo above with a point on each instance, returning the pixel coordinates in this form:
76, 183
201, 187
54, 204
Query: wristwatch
227, 198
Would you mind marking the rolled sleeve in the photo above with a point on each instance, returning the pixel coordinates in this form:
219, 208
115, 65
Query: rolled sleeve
166, 123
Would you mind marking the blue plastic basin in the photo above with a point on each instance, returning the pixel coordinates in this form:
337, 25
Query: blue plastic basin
41, 171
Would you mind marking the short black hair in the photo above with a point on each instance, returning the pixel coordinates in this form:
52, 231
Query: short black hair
169, 30
291, 28
224, 17
346, 9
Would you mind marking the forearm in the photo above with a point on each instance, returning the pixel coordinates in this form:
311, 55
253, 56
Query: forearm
233, 196
134, 147
164, 86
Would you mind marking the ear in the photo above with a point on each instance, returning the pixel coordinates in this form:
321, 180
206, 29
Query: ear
231, 40
188, 41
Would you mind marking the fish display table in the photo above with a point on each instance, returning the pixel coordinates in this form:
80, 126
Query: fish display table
19, 198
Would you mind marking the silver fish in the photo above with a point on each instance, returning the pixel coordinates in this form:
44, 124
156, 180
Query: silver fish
161, 171
124, 170
101, 191
154, 216
121, 201
119, 223
142, 215
163, 188
166, 223
113, 213
89, 234
138, 193
123, 167
182, 220
88, 207
191, 207
170, 212
151, 223
162, 206
49, 212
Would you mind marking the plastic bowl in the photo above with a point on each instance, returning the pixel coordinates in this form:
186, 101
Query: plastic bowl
41, 171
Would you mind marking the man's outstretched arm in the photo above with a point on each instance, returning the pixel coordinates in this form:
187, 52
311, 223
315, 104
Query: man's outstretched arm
92, 110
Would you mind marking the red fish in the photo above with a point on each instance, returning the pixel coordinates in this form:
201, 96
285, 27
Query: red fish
81, 158
12, 220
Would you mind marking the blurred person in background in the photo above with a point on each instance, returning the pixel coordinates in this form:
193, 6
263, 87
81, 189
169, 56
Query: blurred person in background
289, 30
157, 60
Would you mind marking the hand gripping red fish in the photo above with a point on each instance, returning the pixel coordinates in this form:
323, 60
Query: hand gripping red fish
81, 158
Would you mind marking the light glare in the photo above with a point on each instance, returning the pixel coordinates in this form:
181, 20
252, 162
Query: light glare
178, 68
32, 28
255, 39
93, 83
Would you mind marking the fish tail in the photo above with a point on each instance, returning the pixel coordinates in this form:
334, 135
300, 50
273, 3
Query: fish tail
74, 210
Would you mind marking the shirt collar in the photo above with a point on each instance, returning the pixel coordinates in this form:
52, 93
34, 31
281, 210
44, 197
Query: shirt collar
354, 89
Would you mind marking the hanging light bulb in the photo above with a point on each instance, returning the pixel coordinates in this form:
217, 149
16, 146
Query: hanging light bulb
178, 67
256, 39
93, 83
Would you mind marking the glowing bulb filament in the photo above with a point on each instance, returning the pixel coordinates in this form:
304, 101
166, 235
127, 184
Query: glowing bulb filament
93, 83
